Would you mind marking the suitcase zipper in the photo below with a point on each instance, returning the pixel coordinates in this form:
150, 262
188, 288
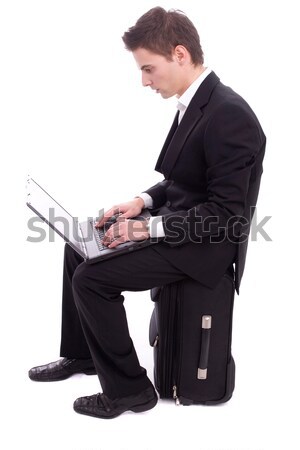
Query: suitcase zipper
177, 401
166, 343
169, 366
177, 346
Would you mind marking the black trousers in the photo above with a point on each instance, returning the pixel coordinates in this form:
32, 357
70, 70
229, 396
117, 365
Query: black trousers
94, 322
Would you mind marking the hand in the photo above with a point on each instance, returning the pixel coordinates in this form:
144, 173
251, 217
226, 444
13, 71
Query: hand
125, 230
123, 210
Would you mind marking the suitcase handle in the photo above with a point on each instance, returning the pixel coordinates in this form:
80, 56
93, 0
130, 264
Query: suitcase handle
204, 351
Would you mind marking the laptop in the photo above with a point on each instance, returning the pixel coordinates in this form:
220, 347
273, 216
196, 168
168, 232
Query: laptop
83, 237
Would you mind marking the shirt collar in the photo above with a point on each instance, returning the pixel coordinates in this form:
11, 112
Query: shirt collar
186, 97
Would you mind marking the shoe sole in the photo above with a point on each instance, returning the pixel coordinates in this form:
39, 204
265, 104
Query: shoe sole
86, 372
89, 372
145, 406
136, 409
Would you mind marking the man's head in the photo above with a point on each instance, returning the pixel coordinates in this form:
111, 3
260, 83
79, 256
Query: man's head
167, 49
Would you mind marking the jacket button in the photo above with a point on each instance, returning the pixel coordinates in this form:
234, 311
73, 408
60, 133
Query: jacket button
168, 204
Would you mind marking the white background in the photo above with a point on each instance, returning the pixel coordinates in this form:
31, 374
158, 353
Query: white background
75, 116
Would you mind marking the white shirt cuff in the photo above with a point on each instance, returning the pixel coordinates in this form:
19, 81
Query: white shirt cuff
156, 228
148, 200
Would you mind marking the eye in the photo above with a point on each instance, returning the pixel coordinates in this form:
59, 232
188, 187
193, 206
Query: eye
147, 69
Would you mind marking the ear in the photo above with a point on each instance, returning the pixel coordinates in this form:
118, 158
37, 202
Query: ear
180, 54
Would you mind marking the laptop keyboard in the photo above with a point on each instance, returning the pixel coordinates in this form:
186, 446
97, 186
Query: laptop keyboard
99, 235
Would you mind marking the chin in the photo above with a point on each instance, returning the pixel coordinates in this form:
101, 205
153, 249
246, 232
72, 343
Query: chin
165, 95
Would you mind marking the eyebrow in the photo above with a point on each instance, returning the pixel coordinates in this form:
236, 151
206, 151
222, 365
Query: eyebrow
146, 66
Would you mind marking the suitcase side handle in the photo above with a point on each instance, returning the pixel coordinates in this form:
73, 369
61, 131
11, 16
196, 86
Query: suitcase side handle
204, 350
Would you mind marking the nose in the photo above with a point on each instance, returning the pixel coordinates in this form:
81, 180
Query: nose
145, 80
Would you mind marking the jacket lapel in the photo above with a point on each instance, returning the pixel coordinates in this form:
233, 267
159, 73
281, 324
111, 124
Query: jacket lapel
178, 134
167, 142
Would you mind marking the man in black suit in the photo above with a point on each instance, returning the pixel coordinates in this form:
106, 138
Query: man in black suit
212, 164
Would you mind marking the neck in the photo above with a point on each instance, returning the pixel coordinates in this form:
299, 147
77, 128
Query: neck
191, 76
198, 70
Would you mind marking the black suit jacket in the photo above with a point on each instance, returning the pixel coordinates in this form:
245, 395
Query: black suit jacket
212, 165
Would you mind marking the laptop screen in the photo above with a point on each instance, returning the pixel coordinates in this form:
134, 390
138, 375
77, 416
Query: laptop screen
53, 213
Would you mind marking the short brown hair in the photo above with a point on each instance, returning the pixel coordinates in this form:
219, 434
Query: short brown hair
160, 31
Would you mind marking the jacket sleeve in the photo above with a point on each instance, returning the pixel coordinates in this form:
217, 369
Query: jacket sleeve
158, 193
232, 141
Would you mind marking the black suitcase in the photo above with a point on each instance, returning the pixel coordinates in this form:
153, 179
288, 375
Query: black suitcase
190, 331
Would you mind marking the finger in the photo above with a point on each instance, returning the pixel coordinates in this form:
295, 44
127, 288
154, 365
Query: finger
126, 215
108, 240
107, 215
116, 242
111, 241
104, 219
114, 232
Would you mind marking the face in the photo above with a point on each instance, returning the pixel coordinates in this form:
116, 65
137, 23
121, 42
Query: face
162, 75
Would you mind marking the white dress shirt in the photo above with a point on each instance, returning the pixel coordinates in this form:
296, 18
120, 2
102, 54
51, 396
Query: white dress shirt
185, 99
155, 223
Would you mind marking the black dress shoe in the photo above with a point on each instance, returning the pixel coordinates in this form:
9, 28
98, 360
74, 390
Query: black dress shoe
99, 405
62, 369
